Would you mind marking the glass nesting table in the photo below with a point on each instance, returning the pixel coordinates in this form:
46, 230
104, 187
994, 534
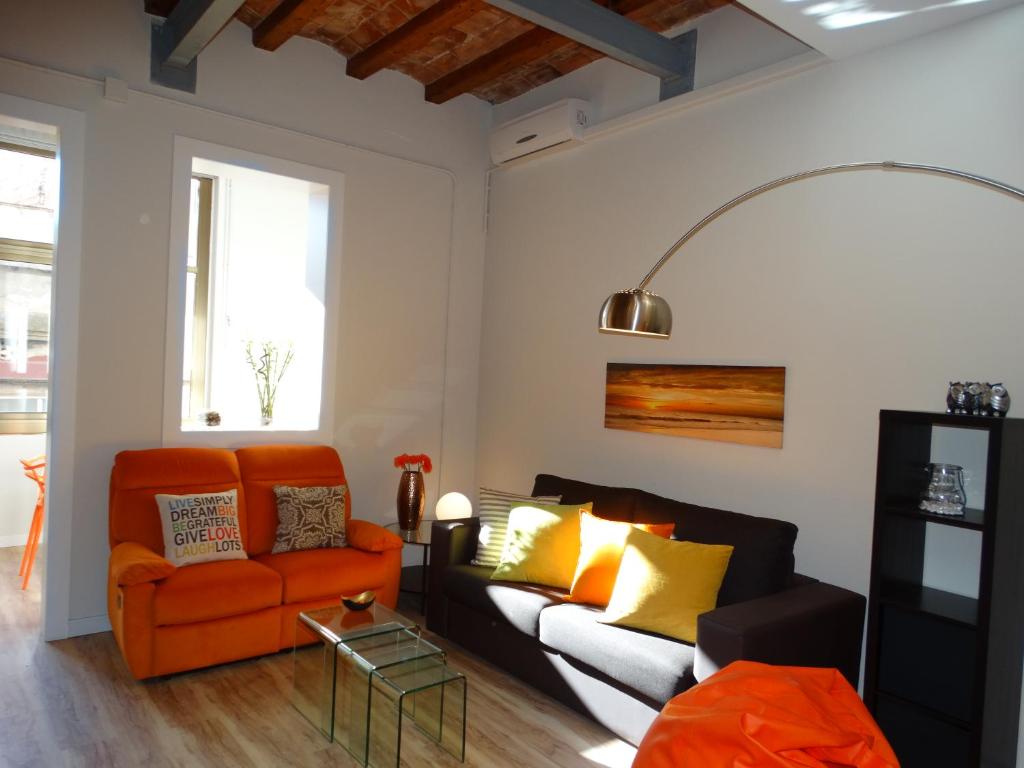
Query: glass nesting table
358, 676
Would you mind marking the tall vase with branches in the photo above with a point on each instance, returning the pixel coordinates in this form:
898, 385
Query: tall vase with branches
269, 367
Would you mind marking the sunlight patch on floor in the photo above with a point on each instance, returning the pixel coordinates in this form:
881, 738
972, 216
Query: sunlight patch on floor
611, 754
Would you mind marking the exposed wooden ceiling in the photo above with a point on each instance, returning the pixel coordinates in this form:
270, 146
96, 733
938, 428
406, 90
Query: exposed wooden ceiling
451, 46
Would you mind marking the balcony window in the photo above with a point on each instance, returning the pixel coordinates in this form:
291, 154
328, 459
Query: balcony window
28, 199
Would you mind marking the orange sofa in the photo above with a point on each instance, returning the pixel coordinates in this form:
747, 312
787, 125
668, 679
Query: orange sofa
169, 619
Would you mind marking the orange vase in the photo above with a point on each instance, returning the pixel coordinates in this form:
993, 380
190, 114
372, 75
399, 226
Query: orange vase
411, 499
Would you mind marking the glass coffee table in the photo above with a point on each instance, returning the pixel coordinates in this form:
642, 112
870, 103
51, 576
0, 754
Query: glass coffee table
368, 673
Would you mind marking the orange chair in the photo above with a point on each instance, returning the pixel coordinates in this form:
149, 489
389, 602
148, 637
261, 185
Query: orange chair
35, 469
167, 619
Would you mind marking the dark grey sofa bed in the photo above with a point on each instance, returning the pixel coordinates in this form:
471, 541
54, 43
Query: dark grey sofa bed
622, 677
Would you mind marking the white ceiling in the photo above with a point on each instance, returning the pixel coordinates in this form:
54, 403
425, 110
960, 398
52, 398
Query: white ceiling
841, 28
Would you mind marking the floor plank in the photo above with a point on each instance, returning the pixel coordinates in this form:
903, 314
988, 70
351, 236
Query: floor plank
73, 703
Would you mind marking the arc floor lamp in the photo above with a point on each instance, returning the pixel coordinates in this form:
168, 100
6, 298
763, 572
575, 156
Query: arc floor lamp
638, 312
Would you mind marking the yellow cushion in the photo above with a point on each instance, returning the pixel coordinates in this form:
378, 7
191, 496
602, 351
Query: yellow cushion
542, 544
664, 585
601, 545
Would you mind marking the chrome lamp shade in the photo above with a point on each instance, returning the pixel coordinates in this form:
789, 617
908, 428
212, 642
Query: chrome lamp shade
636, 312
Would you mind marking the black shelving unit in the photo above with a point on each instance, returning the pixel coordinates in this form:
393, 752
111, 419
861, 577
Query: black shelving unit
943, 674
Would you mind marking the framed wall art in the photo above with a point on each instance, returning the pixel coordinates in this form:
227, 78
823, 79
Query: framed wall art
732, 403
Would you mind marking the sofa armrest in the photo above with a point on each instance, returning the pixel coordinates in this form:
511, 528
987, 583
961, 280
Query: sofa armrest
811, 625
132, 573
370, 537
452, 542
132, 563
798, 580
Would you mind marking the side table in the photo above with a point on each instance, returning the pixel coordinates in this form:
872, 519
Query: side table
415, 574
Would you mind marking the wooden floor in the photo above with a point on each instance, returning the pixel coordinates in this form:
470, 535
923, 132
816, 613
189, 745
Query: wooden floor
73, 703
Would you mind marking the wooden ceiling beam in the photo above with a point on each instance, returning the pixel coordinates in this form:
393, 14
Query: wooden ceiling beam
412, 35
626, 7
287, 19
520, 51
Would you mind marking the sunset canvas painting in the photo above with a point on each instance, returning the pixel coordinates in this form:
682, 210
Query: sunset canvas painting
736, 404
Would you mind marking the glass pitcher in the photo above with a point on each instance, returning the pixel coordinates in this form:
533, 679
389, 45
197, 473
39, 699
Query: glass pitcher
945, 494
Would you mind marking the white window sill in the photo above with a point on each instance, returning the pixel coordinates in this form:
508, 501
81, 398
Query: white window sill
241, 428
237, 435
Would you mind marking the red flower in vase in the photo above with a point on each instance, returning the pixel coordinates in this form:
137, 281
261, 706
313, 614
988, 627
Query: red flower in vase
418, 462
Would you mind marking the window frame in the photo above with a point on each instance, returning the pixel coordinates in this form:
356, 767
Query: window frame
28, 252
185, 151
197, 383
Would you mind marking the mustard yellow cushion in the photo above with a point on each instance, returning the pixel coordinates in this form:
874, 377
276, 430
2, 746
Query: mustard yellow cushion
542, 544
601, 545
664, 585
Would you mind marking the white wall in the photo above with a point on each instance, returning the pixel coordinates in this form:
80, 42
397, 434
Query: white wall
874, 290
17, 492
413, 237
730, 41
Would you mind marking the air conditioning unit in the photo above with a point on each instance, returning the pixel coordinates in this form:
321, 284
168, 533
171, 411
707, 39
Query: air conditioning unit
558, 125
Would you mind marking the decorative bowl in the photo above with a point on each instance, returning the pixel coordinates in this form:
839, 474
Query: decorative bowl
359, 602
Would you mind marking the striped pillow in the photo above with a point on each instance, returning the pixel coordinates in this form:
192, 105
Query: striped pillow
494, 509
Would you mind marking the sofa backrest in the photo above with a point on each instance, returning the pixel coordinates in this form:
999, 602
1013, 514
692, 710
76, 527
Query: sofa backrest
139, 475
762, 560
264, 466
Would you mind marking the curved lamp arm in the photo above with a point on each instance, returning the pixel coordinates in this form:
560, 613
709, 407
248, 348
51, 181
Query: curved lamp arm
639, 312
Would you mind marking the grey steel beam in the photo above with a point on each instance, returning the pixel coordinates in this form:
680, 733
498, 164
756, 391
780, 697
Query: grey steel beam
175, 44
674, 86
604, 30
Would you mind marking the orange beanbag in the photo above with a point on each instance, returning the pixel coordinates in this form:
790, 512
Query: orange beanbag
762, 716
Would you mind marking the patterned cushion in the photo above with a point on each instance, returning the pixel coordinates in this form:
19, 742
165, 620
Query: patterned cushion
309, 518
494, 509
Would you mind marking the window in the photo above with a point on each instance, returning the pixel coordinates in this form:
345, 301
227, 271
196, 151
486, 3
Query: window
28, 196
257, 291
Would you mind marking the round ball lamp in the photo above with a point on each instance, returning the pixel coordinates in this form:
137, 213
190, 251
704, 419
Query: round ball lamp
452, 506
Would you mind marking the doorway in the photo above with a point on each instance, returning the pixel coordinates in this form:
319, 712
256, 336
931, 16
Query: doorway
53, 567
29, 191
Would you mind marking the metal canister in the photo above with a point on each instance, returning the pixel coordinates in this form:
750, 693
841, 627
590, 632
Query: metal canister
999, 400
956, 398
975, 398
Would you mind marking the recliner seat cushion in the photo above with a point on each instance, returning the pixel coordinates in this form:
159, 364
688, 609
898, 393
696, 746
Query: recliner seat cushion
762, 559
517, 604
214, 591
654, 666
310, 574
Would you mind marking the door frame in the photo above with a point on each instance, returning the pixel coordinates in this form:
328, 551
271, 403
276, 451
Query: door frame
60, 437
